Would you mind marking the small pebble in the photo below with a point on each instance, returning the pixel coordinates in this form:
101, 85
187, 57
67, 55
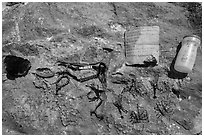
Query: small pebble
188, 78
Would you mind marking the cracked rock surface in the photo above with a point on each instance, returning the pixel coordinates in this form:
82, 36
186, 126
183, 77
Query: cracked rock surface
123, 100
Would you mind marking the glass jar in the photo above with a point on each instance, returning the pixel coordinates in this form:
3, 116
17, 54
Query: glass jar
187, 54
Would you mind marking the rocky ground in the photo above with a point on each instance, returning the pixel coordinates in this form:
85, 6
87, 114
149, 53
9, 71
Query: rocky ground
133, 100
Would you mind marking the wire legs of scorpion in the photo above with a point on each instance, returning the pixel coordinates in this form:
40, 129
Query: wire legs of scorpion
118, 105
99, 95
60, 83
99, 116
154, 84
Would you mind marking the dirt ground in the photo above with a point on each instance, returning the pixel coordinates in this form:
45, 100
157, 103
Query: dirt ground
126, 100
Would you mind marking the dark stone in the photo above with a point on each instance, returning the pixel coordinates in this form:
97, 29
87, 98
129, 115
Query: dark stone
16, 66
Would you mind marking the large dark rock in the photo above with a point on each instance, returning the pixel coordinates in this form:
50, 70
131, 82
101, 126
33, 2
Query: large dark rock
16, 66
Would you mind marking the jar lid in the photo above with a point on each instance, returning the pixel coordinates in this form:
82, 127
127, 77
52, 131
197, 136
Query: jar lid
194, 36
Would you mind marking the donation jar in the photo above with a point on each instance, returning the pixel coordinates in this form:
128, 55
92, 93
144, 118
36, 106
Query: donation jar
187, 54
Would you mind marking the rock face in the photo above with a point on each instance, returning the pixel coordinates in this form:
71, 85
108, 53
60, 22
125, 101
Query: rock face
78, 82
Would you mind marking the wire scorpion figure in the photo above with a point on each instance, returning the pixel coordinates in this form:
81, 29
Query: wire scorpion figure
65, 75
101, 74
